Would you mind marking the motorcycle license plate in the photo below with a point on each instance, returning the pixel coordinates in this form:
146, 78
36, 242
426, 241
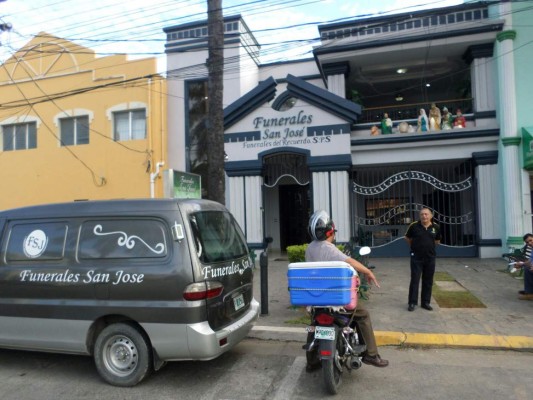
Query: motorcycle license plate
324, 333
238, 302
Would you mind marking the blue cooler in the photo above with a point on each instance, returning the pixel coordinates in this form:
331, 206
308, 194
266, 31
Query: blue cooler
320, 283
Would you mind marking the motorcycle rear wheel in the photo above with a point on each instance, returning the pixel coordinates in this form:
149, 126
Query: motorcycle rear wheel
313, 362
332, 369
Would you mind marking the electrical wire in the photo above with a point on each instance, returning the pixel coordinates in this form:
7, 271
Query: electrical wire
231, 65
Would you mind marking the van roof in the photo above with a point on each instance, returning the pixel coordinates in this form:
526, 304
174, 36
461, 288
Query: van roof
108, 207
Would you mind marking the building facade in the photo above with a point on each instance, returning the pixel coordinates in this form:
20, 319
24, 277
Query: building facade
308, 134
78, 127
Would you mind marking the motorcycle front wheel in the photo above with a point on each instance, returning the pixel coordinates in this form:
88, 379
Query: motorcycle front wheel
332, 368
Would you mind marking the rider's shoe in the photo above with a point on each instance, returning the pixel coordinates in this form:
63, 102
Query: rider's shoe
376, 361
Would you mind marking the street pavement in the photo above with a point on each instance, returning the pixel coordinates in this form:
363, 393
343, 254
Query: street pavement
505, 323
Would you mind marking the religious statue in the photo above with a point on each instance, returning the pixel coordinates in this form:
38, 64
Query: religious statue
447, 119
386, 124
434, 118
422, 121
460, 120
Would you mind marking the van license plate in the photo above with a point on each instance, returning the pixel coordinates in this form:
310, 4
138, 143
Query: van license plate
238, 302
325, 333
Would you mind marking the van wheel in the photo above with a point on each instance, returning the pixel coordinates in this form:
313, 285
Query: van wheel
122, 355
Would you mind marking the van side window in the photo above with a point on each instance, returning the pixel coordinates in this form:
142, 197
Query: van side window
128, 238
42, 241
217, 236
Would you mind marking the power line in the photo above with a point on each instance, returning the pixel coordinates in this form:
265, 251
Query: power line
231, 64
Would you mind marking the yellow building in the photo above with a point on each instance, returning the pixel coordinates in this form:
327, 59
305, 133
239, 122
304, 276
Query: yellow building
76, 127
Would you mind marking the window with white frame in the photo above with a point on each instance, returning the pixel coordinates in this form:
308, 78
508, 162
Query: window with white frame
129, 125
74, 131
19, 136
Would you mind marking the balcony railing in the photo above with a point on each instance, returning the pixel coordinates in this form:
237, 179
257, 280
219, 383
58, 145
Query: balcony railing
411, 111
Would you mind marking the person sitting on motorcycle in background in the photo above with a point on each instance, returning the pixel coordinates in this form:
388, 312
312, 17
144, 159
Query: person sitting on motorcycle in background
527, 293
322, 248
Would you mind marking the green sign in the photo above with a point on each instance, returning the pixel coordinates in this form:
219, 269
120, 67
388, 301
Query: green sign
182, 185
527, 146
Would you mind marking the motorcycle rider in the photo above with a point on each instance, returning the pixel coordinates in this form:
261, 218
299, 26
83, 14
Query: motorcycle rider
322, 248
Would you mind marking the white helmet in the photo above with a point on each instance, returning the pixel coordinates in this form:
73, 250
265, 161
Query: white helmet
321, 226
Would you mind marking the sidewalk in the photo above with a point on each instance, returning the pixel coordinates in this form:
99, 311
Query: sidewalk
505, 323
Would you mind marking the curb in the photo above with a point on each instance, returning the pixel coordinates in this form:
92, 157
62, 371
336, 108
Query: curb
524, 343
409, 339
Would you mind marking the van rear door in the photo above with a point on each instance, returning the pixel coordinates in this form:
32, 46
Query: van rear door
226, 267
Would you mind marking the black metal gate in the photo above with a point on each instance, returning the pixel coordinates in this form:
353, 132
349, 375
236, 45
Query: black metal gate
385, 200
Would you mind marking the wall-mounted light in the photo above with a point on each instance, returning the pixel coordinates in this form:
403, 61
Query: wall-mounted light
401, 70
428, 84
399, 97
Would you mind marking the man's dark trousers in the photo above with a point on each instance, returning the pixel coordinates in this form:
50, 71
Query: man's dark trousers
421, 267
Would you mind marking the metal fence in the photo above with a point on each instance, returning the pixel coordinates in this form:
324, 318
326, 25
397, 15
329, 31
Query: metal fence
385, 200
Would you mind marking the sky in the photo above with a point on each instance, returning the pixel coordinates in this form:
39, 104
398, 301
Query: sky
285, 29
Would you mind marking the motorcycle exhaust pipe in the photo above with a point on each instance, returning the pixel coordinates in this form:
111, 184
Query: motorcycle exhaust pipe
356, 363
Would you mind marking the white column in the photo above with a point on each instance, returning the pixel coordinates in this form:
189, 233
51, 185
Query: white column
510, 140
254, 208
512, 209
482, 72
340, 204
489, 204
235, 201
337, 85
321, 192
331, 193
526, 202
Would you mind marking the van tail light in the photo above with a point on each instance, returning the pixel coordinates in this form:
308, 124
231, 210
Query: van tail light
202, 290
324, 319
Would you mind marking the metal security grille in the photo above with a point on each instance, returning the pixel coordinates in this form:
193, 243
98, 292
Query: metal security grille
283, 165
387, 199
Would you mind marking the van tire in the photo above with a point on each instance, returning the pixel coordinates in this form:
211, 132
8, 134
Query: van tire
123, 355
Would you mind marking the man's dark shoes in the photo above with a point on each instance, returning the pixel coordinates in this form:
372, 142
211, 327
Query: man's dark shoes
411, 307
376, 361
426, 306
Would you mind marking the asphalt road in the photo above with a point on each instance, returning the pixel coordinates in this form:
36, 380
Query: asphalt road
275, 370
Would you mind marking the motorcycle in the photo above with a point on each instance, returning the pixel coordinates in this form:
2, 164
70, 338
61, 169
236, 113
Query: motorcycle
334, 341
513, 258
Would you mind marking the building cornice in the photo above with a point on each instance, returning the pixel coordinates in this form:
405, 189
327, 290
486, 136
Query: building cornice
509, 34
445, 136
511, 141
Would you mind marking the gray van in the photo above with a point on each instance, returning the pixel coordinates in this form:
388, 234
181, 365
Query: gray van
134, 283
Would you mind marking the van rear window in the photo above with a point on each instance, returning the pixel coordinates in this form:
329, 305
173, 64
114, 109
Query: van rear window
42, 241
112, 239
217, 236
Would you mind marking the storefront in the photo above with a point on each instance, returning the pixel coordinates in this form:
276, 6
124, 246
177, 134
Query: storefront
298, 134
286, 159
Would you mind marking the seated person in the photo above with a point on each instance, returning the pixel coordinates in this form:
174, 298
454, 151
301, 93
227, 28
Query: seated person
527, 266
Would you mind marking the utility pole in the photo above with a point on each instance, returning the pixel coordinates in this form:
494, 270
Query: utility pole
4, 26
216, 187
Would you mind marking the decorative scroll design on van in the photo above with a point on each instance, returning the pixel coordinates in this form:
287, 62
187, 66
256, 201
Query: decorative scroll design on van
407, 175
128, 241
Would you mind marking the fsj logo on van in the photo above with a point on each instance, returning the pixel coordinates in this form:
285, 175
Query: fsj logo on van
35, 244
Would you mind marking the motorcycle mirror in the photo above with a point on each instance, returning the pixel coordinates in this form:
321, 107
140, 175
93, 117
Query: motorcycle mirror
363, 251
